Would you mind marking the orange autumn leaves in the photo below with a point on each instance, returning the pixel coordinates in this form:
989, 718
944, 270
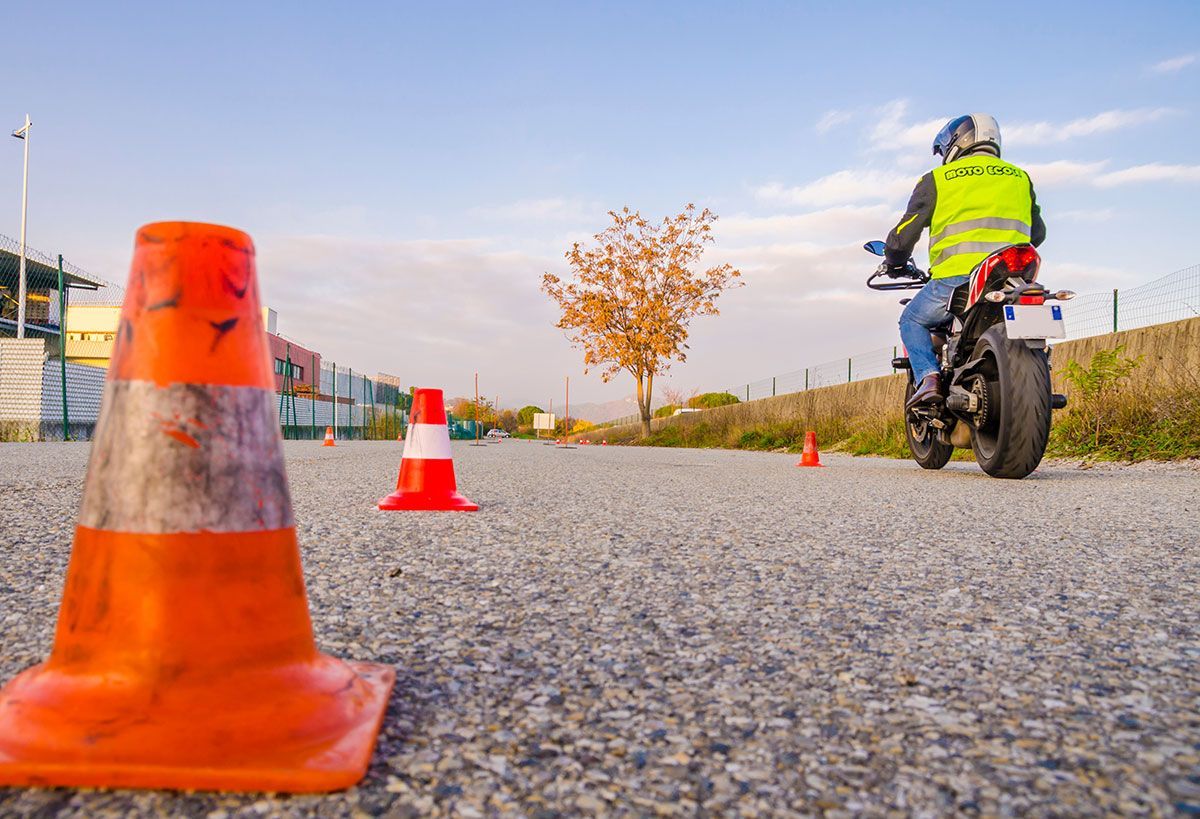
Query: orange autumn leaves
633, 293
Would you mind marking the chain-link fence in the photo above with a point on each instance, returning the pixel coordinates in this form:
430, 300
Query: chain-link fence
1171, 298
53, 366
51, 379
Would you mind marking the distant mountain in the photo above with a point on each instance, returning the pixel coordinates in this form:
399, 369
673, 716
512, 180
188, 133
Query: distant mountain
598, 413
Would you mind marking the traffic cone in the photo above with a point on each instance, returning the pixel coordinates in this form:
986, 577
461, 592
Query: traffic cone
426, 479
329, 437
184, 654
604, 442
810, 456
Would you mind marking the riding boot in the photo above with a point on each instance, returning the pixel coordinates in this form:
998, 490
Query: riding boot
929, 391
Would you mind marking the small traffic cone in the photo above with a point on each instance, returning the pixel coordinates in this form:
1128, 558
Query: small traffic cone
426, 479
329, 437
604, 442
810, 456
184, 654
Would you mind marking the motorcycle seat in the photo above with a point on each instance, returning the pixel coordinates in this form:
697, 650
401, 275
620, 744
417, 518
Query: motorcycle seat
939, 342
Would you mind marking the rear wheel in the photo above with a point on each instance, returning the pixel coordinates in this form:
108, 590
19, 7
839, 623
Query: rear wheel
1014, 379
926, 449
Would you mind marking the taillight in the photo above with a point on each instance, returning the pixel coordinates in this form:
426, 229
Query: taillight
1031, 300
1020, 258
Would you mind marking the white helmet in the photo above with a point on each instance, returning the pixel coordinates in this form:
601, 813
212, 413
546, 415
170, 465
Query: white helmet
967, 134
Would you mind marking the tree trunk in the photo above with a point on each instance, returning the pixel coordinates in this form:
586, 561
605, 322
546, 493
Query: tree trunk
643, 399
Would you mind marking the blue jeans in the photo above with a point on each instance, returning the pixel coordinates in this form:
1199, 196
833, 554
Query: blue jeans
927, 311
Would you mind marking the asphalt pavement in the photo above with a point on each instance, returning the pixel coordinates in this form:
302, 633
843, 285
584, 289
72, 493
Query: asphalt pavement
681, 632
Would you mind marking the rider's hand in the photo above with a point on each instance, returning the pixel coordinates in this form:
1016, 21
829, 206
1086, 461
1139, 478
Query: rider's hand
891, 271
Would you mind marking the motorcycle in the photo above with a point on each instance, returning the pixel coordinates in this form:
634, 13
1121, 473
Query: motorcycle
995, 364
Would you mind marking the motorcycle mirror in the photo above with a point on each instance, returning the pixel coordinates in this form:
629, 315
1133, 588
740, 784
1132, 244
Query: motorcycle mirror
876, 247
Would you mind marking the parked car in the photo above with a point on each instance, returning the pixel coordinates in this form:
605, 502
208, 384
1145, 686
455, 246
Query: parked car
497, 433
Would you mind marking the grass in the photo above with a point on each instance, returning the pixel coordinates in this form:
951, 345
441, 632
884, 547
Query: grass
1112, 415
1157, 423
858, 436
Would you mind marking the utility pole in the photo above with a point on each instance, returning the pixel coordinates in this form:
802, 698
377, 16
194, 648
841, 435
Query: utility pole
566, 444
22, 134
478, 442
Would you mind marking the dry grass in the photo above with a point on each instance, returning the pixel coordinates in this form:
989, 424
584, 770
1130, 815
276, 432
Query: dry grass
1127, 419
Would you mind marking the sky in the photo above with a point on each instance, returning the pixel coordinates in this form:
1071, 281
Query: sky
409, 171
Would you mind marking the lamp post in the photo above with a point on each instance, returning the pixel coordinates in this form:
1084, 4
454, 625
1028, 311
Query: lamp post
22, 134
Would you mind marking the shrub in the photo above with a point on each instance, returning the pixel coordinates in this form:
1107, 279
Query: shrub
1097, 389
664, 411
712, 399
1111, 419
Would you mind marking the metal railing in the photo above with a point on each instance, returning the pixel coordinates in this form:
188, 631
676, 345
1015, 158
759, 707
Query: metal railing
51, 381
1173, 297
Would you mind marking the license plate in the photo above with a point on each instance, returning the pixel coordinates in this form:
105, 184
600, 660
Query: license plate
1034, 321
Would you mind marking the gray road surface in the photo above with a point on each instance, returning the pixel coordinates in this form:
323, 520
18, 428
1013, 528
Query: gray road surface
673, 632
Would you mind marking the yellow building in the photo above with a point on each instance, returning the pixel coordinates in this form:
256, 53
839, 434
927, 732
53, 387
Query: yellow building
92, 330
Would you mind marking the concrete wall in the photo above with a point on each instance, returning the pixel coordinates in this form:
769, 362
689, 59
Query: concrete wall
21, 362
1170, 354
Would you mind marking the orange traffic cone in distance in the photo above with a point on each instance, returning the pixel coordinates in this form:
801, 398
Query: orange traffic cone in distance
810, 456
329, 437
184, 654
426, 481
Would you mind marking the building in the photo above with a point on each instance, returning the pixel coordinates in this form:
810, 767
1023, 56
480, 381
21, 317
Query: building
42, 276
92, 332
305, 363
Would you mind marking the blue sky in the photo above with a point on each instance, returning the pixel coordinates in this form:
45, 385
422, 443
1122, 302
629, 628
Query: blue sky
408, 172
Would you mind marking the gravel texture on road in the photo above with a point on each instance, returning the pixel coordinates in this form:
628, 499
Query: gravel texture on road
681, 632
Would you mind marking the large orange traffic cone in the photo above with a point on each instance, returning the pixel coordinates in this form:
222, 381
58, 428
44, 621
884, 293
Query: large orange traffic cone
329, 437
426, 479
810, 456
184, 654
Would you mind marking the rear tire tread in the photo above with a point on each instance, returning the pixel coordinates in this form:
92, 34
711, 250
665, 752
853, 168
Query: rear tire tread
1025, 410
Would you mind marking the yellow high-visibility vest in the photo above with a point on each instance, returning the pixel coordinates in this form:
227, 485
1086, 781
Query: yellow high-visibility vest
983, 204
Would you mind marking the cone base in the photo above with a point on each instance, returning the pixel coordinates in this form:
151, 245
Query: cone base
426, 502
801, 463
307, 730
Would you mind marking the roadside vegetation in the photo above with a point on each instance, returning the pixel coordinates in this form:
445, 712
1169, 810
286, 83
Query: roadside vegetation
1113, 417
630, 297
1116, 412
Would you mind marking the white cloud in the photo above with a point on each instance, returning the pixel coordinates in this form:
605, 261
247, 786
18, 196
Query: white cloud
1087, 278
432, 312
894, 132
842, 187
1064, 172
555, 209
1173, 64
841, 222
1047, 133
1085, 215
1153, 172
1070, 172
831, 119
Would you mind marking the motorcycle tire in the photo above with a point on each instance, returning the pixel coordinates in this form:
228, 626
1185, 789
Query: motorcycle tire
923, 442
1012, 440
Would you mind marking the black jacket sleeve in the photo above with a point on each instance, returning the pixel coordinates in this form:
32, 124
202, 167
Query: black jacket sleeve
1037, 233
917, 216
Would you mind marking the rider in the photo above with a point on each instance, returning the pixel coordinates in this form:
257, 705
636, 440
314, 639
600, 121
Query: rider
974, 204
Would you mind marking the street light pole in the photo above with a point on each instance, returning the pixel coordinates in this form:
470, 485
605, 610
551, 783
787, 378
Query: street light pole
22, 134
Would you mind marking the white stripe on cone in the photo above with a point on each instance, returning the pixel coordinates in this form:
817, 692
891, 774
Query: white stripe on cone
427, 442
